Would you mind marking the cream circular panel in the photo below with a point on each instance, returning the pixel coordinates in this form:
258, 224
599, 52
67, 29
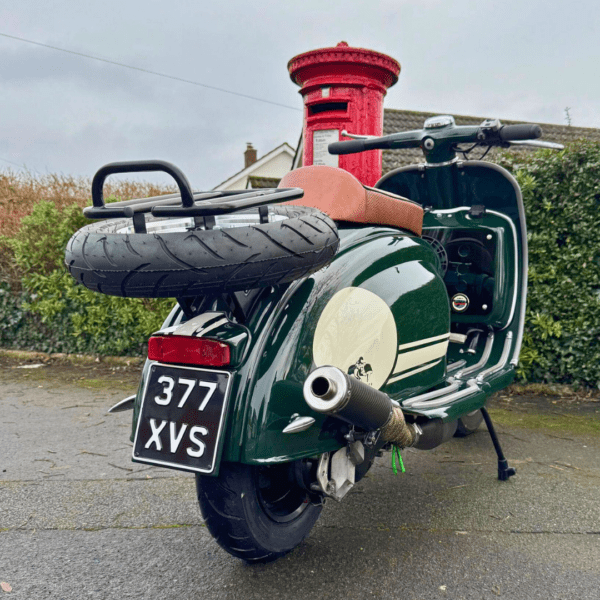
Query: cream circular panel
356, 332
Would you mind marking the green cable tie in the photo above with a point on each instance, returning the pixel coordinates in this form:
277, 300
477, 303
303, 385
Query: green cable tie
396, 450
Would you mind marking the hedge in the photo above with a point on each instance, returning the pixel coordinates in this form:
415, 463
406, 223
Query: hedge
42, 308
47, 311
561, 192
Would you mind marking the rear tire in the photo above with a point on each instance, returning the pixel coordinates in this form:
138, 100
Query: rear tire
256, 513
469, 423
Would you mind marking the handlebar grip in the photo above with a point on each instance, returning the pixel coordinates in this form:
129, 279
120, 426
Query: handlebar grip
520, 132
347, 147
137, 166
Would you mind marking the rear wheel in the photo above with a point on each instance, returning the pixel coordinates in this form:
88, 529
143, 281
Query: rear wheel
257, 513
469, 423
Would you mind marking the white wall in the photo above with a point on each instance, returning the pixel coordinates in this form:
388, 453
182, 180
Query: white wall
277, 166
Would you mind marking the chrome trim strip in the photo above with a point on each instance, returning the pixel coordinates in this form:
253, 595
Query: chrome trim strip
203, 332
501, 363
440, 164
487, 350
515, 293
125, 404
430, 395
455, 365
471, 389
194, 326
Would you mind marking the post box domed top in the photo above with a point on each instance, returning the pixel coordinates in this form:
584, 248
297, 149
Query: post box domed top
344, 64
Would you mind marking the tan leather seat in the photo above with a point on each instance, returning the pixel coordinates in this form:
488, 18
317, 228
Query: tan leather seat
341, 196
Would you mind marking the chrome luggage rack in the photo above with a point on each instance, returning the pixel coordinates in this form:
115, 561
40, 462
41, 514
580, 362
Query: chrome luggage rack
202, 206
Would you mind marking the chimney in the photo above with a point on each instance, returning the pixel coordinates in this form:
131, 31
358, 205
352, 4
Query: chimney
249, 155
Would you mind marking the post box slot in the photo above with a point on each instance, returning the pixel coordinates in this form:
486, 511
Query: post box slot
316, 109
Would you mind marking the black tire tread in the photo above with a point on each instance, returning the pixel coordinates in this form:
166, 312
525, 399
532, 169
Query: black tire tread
224, 502
173, 264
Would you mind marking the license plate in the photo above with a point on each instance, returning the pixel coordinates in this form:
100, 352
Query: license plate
181, 418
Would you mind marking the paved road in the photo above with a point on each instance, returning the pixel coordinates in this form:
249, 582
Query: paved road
79, 520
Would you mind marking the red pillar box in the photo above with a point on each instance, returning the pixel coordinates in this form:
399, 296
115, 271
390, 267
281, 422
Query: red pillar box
343, 89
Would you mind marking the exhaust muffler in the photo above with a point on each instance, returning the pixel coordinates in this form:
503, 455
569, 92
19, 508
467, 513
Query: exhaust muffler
330, 391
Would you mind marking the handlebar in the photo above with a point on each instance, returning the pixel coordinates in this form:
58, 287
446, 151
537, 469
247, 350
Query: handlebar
520, 132
440, 136
404, 139
349, 147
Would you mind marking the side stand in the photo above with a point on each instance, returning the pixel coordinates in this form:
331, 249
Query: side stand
504, 471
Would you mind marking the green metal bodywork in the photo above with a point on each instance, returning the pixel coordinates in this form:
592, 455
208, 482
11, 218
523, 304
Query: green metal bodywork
267, 386
402, 270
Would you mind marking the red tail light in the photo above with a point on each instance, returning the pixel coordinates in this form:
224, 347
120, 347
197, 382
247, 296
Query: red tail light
188, 351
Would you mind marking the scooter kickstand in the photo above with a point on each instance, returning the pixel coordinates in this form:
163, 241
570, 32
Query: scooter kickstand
504, 471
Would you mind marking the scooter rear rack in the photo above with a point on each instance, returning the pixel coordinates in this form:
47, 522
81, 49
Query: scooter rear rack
200, 205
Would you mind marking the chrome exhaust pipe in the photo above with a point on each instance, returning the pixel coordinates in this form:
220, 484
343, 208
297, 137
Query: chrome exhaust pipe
329, 390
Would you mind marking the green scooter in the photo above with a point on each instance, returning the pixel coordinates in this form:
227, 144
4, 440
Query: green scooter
317, 323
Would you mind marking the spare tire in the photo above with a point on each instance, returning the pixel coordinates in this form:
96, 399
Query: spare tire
108, 257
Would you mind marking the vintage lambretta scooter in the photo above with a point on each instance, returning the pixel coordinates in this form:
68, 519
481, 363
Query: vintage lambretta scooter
318, 323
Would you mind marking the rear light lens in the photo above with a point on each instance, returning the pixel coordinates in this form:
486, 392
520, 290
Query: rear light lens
188, 351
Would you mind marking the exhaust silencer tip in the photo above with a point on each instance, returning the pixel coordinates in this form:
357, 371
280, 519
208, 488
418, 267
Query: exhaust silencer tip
329, 390
326, 390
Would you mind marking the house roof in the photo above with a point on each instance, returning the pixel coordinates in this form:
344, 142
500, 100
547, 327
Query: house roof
404, 120
256, 181
246, 172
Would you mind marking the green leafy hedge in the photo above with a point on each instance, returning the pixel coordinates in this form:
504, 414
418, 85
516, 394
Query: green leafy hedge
51, 313
561, 192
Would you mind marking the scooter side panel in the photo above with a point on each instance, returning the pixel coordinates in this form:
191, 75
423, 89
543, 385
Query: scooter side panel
376, 270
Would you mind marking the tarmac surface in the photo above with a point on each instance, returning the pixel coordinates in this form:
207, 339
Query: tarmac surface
78, 519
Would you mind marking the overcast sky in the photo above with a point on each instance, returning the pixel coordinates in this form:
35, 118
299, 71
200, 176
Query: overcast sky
517, 59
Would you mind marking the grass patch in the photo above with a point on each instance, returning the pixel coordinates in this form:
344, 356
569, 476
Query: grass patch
582, 425
93, 384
